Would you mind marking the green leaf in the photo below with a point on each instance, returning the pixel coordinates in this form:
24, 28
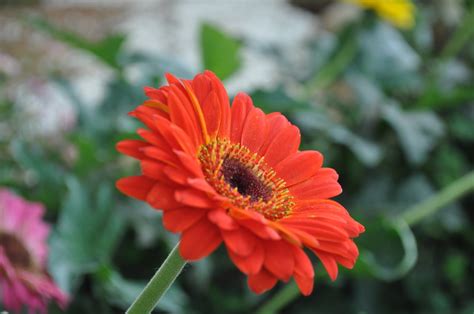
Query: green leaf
418, 132
220, 52
107, 50
86, 234
365, 150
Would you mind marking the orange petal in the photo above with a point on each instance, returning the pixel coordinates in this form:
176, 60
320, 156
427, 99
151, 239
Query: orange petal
255, 128
212, 113
153, 169
222, 219
180, 219
279, 259
241, 106
250, 264
194, 198
132, 148
199, 240
276, 122
135, 186
239, 241
322, 185
285, 144
305, 284
261, 282
224, 105
161, 196
299, 167
329, 263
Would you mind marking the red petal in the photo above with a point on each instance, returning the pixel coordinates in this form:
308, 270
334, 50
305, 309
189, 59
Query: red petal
299, 167
153, 169
279, 259
322, 185
211, 110
199, 240
162, 197
254, 131
285, 144
239, 241
305, 284
136, 186
222, 219
260, 229
250, 264
194, 198
224, 105
303, 265
241, 106
329, 263
275, 123
261, 282
180, 219
132, 148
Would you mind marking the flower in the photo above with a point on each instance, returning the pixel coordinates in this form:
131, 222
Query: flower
401, 13
234, 175
23, 254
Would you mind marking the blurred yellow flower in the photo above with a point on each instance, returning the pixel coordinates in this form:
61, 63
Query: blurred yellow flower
401, 13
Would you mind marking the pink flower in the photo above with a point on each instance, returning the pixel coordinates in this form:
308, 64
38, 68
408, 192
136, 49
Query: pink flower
23, 255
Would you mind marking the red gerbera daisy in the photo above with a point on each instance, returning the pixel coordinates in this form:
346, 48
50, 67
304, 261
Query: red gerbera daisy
234, 175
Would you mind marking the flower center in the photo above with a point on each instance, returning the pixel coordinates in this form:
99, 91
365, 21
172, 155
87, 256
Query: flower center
245, 179
16, 252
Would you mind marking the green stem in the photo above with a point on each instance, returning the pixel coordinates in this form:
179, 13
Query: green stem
462, 35
283, 297
161, 281
412, 216
344, 54
449, 194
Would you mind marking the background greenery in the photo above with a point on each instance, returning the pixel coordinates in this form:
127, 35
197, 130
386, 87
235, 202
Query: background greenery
391, 110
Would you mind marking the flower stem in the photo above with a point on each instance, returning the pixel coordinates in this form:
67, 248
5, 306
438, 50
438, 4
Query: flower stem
159, 284
412, 216
449, 194
283, 297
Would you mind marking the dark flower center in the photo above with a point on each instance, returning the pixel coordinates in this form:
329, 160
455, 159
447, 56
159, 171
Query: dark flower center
244, 180
16, 252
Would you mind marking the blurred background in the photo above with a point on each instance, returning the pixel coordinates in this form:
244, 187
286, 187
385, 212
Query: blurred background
386, 95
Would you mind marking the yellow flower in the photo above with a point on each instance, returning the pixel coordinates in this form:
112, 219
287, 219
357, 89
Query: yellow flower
401, 13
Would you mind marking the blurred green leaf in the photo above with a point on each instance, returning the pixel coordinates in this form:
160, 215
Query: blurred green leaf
386, 57
277, 100
220, 52
366, 151
86, 234
107, 50
418, 132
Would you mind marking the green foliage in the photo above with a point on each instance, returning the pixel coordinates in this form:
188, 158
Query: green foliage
392, 112
220, 52
106, 50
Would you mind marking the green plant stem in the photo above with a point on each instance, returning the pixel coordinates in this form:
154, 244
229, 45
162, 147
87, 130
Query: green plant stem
447, 195
344, 54
159, 284
283, 297
462, 35
412, 216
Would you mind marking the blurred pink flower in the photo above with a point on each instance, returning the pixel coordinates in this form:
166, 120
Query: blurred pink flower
23, 254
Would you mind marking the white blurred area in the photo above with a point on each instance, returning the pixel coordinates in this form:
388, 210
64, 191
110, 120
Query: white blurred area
167, 28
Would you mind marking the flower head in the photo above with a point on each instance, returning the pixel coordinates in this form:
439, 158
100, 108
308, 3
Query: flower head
23, 254
401, 13
234, 175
